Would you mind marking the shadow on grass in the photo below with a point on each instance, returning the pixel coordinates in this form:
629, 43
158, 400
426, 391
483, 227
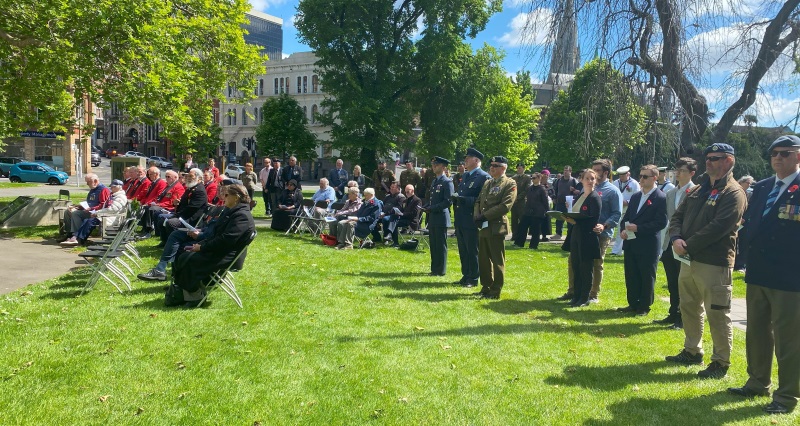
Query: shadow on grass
152, 304
652, 411
407, 286
377, 274
557, 309
428, 297
615, 377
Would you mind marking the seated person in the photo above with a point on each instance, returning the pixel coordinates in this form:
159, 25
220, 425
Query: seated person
230, 235
164, 202
114, 205
288, 204
155, 188
140, 185
210, 183
350, 208
350, 184
411, 213
360, 225
388, 217
190, 208
180, 238
326, 194
95, 200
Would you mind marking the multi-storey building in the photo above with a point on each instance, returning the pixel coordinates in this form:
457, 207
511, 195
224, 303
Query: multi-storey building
265, 31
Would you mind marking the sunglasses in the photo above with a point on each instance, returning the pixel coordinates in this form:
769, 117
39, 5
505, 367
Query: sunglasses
713, 159
642, 177
783, 154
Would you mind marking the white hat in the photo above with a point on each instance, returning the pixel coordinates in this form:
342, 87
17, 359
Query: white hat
622, 170
662, 169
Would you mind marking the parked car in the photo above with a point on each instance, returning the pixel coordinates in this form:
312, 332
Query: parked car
111, 152
97, 149
234, 170
134, 154
6, 163
95, 158
160, 162
36, 172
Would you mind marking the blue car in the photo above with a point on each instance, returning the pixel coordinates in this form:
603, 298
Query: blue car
36, 172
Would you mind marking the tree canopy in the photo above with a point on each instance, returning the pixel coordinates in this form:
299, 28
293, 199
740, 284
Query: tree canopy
283, 130
155, 58
375, 55
596, 117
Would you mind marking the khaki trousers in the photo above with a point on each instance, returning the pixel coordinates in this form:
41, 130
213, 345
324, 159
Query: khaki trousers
597, 272
706, 292
491, 262
773, 322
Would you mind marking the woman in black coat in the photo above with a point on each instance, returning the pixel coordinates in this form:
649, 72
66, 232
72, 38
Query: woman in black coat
232, 233
584, 242
533, 217
288, 204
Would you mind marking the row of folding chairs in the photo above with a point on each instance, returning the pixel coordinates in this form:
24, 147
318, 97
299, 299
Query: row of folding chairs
109, 259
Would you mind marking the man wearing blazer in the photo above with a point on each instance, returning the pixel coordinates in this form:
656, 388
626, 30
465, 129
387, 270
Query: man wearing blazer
438, 209
773, 286
685, 168
467, 192
641, 226
275, 184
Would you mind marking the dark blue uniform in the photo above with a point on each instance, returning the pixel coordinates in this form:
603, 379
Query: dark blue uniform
466, 230
440, 194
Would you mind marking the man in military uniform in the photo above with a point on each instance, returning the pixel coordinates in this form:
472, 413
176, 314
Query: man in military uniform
466, 231
773, 288
490, 215
704, 227
409, 176
438, 210
382, 179
292, 171
523, 183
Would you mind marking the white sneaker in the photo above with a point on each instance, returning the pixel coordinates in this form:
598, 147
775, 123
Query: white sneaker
72, 241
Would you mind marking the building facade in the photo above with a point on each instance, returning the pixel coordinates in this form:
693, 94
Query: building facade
265, 31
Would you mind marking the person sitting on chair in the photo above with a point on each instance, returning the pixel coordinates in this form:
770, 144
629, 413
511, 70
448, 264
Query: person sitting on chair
230, 235
164, 203
361, 224
114, 205
351, 206
410, 217
288, 204
95, 200
388, 216
190, 207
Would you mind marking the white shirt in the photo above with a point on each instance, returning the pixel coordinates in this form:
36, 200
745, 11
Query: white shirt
627, 188
786, 181
645, 197
679, 195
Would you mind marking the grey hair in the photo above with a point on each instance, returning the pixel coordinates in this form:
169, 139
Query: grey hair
369, 191
353, 190
198, 174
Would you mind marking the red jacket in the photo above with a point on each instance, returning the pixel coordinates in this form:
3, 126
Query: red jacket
153, 191
169, 199
211, 190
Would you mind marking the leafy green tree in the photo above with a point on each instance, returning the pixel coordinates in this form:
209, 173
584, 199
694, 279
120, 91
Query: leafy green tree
523, 80
284, 130
154, 58
372, 62
596, 117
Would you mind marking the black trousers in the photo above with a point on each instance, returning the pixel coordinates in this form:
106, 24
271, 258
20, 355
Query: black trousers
641, 260
545, 227
526, 224
438, 240
266, 198
467, 238
582, 270
672, 268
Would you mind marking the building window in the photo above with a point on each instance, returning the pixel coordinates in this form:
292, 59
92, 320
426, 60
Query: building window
230, 118
287, 85
261, 87
255, 116
314, 111
234, 116
314, 84
299, 83
244, 117
282, 86
276, 86
230, 91
305, 84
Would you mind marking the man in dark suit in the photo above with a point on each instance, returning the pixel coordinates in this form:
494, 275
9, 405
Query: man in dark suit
191, 206
641, 227
338, 178
773, 287
275, 184
438, 210
466, 230
292, 171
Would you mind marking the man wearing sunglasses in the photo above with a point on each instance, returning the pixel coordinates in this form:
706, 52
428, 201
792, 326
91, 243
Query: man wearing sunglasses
773, 288
704, 227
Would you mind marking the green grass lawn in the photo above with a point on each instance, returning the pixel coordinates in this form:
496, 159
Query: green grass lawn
4, 185
354, 337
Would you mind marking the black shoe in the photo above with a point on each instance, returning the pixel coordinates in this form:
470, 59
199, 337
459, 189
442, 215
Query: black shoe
153, 275
193, 303
478, 294
715, 370
642, 313
625, 309
686, 358
677, 326
469, 283
544, 240
143, 236
746, 392
460, 282
776, 407
162, 244
670, 319
565, 296
490, 296
434, 274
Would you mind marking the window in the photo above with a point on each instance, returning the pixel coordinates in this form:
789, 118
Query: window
114, 130
276, 86
234, 116
282, 91
314, 84
256, 118
229, 117
244, 117
299, 83
314, 111
287, 85
305, 84
261, 87
230, 91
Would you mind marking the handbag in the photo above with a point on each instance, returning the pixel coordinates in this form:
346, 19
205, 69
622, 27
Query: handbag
410, 245
329, 240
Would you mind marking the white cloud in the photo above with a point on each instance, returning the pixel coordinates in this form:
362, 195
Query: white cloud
263, 5
531, 28
770, 108
716, 8
516, 4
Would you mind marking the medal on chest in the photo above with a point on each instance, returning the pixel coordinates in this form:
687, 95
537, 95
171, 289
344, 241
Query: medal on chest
495, 190
712, 198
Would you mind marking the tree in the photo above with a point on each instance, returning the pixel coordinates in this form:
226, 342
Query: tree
154, 58
651, 39
284, 130
372, 62
523, 80
596, 117
505, 124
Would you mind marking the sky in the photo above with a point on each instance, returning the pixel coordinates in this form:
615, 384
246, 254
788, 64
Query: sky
778, 101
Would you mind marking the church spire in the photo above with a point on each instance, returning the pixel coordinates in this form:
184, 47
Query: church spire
566, 56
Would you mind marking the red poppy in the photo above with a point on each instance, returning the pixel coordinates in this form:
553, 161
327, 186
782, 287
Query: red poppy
714, 192
649, 202
687, 190
584, 208
600, 193
792, 188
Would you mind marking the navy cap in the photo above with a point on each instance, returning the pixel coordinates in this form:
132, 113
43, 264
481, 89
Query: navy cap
230, 181
472, 152
440, 160
785, 141
719, 147
116, 182
499, 159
